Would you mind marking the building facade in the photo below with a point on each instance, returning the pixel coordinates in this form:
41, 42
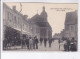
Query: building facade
71, 25
16, 25
45, 31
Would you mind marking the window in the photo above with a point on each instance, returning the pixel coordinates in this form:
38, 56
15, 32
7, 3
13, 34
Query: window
72, 28
8, 15
23, 26
15, 19
12, 17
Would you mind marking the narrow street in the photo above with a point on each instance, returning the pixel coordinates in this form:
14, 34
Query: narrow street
54, 47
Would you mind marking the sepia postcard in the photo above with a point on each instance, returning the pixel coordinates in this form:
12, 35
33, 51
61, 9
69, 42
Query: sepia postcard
40, 26
40, 29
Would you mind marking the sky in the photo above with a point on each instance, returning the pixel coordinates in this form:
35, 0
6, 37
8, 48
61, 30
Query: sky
56, 12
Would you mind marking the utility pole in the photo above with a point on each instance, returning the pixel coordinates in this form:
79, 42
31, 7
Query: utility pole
20, 7
21, 26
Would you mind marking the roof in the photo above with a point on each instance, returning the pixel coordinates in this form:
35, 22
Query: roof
35, 17
40, 20
71, 18
16, 12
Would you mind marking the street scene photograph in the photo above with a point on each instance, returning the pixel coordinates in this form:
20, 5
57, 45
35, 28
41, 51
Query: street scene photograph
40, 26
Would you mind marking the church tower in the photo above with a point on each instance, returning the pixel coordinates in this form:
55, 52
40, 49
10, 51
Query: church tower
44, 14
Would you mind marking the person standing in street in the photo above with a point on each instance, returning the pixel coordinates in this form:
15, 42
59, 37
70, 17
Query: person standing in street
68, 44
41, 39
5, 43
30, 43
45, 41
59, 43
27, 42
50, 41
65, 46
35, 43
73, 45
23, 42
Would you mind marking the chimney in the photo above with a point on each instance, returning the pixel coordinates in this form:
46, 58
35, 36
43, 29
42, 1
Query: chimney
25, 17
14, 7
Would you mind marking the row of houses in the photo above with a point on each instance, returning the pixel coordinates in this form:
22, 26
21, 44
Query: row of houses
17, 25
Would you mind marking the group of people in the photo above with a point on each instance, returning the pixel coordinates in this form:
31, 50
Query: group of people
45, 41
30, 43
27, 42
70, 45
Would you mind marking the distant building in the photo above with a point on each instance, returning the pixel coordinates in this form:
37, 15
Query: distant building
57, 36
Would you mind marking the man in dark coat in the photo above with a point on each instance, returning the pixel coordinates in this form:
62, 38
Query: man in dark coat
50, 41
73, 45
41, 39
68, 44
45, 41
35, 43
4, 43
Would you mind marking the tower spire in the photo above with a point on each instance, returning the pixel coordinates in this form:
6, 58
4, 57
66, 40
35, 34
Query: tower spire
43, 8
20, 7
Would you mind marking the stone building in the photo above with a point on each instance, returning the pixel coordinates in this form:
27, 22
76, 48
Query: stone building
71, 25
34, 29
16, 25
45, 28
12, 22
